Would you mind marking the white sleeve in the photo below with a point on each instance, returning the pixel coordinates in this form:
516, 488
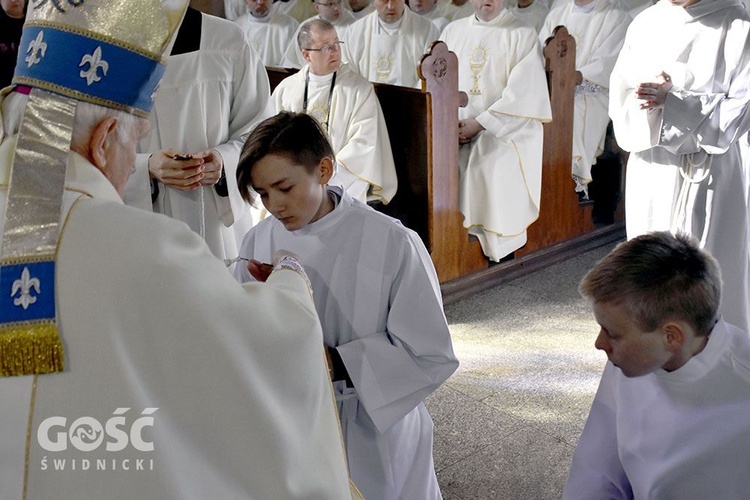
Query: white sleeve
395, 370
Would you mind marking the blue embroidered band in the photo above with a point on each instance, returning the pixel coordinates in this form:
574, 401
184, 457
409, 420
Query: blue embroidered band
85, 68
27, 292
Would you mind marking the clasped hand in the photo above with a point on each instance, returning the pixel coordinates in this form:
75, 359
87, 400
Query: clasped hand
654, 94
468, 130
186, 171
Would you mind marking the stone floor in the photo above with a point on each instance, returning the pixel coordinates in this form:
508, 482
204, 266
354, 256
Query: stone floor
507, 422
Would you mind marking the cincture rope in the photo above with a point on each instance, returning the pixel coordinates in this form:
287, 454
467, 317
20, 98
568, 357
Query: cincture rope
690, 164
202, 228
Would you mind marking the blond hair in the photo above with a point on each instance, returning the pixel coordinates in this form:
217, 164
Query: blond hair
658, 277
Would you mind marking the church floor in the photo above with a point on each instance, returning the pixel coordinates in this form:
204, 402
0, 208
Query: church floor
507, 422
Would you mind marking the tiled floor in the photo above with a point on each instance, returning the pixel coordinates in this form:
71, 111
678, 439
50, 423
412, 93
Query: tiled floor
507, 422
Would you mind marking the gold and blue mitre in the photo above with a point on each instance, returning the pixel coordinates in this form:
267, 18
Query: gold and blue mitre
107, 52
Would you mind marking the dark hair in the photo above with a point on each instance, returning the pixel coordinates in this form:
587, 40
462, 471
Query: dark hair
296, 136
659, 277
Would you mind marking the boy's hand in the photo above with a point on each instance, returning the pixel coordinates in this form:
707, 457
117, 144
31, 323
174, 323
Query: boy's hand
259, 270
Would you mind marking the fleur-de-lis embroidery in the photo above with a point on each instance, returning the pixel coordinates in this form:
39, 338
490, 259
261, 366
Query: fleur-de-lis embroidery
36, 46
57, 4
95, 62
24, 285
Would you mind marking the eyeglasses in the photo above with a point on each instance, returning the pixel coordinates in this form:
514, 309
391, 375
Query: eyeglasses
330, 4
328, 49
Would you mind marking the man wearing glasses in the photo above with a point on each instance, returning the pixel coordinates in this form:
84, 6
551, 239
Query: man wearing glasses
332, 11
346, 105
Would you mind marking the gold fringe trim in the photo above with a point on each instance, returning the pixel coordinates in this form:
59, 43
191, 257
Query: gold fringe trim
30, 349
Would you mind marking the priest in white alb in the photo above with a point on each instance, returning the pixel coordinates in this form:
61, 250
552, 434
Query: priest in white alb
332, 11
268, 30
214, 91
132, 364
347, 107
598, 27
680, 105
501, 70
387, 45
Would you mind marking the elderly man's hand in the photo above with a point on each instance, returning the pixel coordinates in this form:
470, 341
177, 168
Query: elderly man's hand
213, 163
654, 94
178, 171
468, 130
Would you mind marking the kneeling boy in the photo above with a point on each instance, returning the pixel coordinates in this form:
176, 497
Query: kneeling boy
671, 418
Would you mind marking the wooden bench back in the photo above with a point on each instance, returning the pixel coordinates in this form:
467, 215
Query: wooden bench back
423, 130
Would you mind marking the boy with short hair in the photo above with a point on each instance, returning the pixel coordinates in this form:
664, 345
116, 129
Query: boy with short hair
671, 418
376, 293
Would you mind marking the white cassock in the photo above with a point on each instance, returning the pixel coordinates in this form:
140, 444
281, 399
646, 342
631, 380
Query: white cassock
681, 434
210, 98
533, 15
378, 298
389, 58
453, 12
293, 55
179, 383
599, 31
500, 68
355, 126
234, 9
269, 36
299, 10
685, 171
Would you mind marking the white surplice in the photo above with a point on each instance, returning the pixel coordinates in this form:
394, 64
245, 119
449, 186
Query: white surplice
599, 34
154, 327
210, 98
293, 55
378, 298
269, 36
533, 15
384, 58
685, 171
501, 70
355, 126
682, 434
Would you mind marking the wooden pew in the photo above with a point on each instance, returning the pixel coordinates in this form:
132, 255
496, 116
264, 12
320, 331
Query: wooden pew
423, 128
564, 227
561, 217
